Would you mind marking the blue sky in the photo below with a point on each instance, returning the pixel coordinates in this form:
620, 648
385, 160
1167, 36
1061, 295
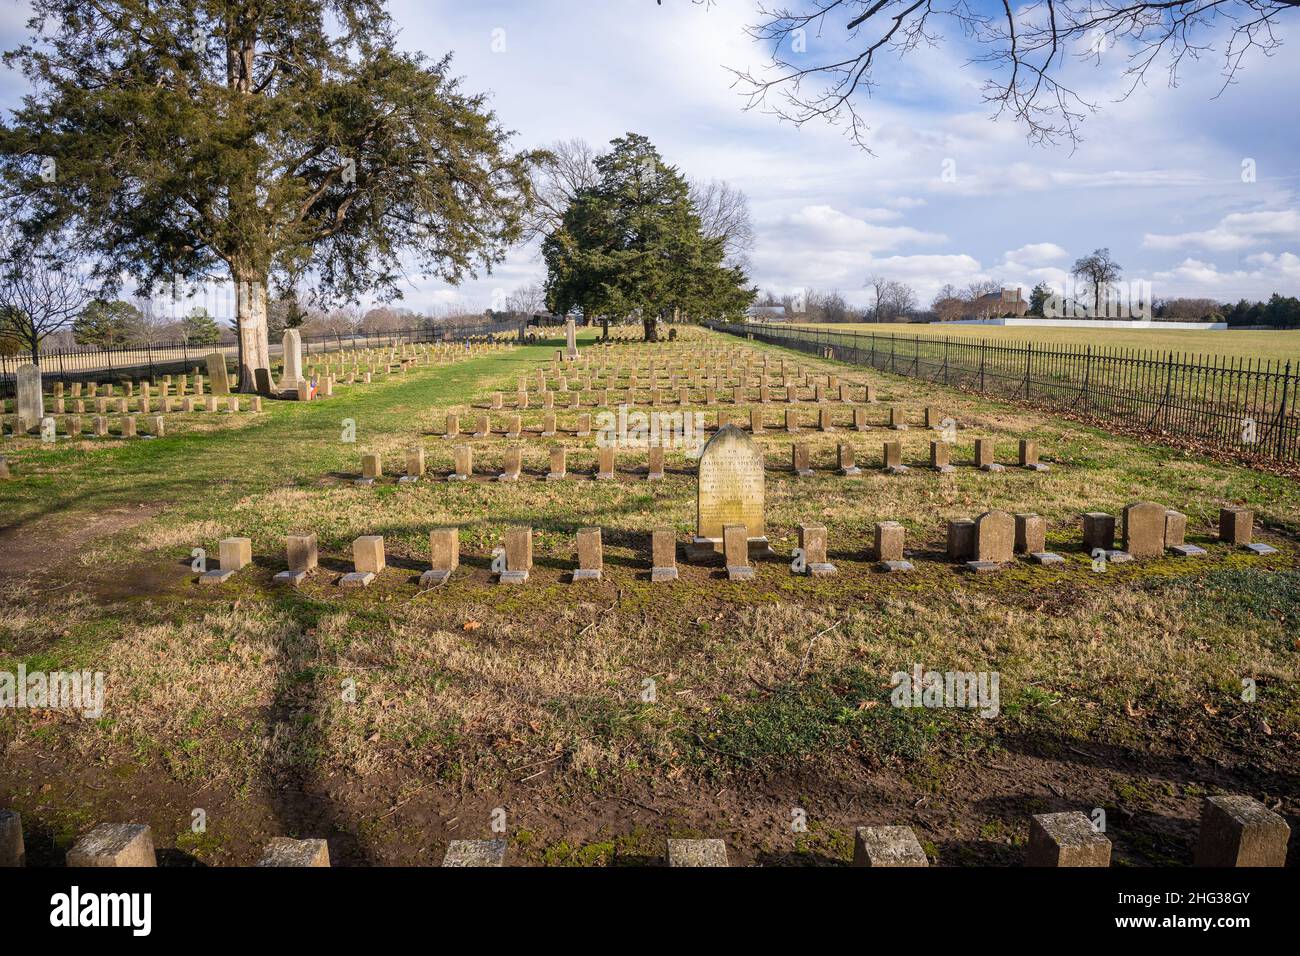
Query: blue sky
1157, 177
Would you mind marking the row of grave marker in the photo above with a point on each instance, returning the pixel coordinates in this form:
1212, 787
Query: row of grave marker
372, 467
1235, 831
986, 543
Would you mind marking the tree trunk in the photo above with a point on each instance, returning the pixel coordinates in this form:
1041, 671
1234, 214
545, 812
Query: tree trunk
254, 347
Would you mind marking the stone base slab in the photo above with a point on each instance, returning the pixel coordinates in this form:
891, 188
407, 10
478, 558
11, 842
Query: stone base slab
357, 579
663, 575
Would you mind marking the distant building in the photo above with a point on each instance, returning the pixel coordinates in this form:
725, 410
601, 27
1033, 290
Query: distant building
999, 305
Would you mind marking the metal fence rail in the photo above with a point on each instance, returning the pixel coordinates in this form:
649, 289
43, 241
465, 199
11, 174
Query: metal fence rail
91, 364
1241, 406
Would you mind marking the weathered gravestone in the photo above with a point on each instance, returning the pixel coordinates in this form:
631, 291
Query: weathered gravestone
31, 402
570, 339
217, 375
663, 555
292, 374
730, 491
302, 555
1144, 529
995, 538
590, 555
444, 549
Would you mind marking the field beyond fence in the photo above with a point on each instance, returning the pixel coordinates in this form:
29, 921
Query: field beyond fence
1243, 407
160, 358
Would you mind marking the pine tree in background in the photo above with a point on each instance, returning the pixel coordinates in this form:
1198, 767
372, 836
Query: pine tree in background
633, 245
255, 141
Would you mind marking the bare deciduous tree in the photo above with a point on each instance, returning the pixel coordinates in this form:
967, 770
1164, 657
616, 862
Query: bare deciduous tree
41, 289
724, 214
1099, 270
1027, 49
567, 167
527, 300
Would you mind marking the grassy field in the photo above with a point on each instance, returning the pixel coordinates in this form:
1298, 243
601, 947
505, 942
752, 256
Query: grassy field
393, 719
1235, 343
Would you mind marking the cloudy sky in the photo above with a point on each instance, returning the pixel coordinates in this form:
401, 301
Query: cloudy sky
1158, 177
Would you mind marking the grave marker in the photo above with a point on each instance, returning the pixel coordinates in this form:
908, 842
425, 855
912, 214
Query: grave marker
1144, 529
590, 555
519, 556
444, 550
663, 555
735, 543
367, 561
889, 547
812, 542
300, 551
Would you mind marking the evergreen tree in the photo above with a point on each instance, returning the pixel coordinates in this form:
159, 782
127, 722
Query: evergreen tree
261, 140
1038, 297
199, 328
633, 244
105, 323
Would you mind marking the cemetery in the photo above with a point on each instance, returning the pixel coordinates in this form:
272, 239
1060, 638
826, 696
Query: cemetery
660, 435
578, 598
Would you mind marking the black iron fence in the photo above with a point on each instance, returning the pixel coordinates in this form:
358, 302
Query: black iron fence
1246, 407
160, 358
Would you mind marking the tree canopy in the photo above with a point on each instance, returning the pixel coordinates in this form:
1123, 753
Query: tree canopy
634, 244
262, 141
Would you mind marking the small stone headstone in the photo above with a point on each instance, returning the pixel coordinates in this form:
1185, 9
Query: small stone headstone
887, 846
892, 457
961, 539
217, 374
463, 457
1144, 529
889, 546
1236, 525
475, 853
697, 853
984, 455
519, 556
846, 459
367, 561
1065, 839
941, 457
1098, 531
995, 538
799, 460
300, 551
735, 544
283, 851
114, 845
559, 469
1238, 830
444, 550
512, 464
605, 463
590, 555
1029, 455
663, 555
812, 542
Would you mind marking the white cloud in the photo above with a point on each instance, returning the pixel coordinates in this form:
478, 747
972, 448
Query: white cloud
1238, 230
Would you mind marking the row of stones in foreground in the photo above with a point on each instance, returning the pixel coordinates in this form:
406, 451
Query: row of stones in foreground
1236, 831
986, 543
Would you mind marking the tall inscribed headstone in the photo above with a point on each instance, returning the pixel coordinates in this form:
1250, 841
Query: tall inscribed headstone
292, 359
31, 402
730, 491
217, 376
570, 339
